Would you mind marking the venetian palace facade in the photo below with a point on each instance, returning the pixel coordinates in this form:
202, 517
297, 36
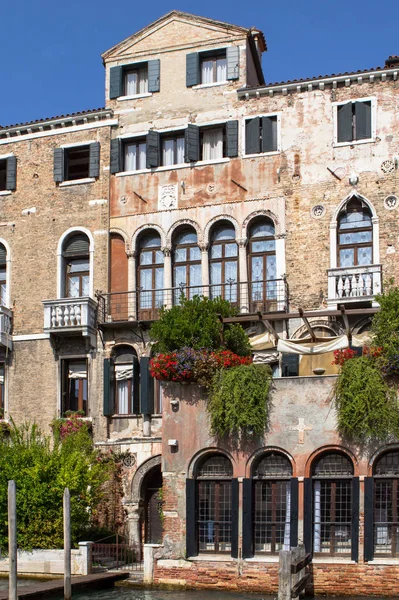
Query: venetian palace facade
200, 176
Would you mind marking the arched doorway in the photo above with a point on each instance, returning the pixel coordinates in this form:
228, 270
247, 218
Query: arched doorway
152, 514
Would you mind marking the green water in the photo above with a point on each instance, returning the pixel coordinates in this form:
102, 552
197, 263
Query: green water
124, 593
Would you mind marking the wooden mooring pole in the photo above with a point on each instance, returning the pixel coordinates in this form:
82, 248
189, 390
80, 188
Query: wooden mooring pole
67, 545
12, 541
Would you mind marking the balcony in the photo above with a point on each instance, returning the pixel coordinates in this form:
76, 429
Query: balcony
143, 305
5, 327
71, 317
354, 284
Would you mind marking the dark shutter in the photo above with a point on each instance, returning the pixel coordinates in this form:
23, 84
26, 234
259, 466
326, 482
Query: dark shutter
153, 149
116, 156
368, 518
252, 136
355, 519
76, 245
269, 134
191, 143
146, 387
234, 518
308, 514
94, 161
247, 519
294, 513
115, 82
233, 62
289, 365
362, 120
3, 254
154, 75
344, 118
192, 69
136, 386
11, 182
191, 519
64, 387
58, 164
108, 401
232, 138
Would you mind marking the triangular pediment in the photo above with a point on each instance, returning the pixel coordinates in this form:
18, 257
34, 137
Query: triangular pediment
172, 31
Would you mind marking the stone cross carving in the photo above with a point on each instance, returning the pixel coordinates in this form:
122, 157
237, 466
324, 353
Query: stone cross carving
301, 428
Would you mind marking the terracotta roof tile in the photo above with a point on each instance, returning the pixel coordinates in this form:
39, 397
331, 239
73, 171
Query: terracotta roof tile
67, 116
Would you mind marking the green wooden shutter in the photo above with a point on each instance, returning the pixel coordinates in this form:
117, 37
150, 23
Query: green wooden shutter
233, 62
368, 519
108, 400
191, 518
115, 82
247, 519
362, 120
154, 75
146, 387
136, 386
94, 160
269, 134
193, 75
59, 164
252, 136
308, 515
344, 122
355, 519
191, 144
232, 139
64, 386
153, 149
116, 156
11, 182
294, 512
234, 517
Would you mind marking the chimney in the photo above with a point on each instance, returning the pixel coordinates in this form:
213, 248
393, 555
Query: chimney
392, 62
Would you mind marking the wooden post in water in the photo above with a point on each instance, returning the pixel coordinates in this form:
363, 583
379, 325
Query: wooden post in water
12, 541
284, 575
67, 545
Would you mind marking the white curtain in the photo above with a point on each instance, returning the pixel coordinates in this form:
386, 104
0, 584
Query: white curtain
123, 397
180, 151
212, 145
221, 69
131, 83
77, 371
287, 527
317, 517
168, 153
123, 372
207, 71
135, 157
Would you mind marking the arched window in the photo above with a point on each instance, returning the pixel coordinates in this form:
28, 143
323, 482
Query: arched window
272, 503
355, 235
386, 504
224, 263
186, 264
126, 381
332, 504
3, 275
150, 276
214, 504
262, 266
76, 261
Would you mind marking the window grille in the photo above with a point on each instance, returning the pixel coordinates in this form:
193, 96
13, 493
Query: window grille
272, 465
333, 465
214, 467
386, 520
388, 465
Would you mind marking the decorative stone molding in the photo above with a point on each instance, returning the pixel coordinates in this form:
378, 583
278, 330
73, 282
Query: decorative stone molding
388, 166
146, 227
182, 223
260, 213
167, 196
138, 478
318, 211
221, 218
391, 202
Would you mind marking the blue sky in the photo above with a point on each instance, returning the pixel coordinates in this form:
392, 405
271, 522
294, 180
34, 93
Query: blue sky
51, 62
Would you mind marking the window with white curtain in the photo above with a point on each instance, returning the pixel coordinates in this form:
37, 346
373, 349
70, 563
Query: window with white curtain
135, 154
212, 146
126, 381
173, 149
74, 386
3, 275
136, 81
214, 68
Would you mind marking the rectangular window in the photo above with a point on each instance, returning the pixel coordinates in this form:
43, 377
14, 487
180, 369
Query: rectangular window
212, 141
173, 149
77, 162
3, 175
74, 386
261, 135
354, 121
134, 155
136, 81
2, 384
213, 67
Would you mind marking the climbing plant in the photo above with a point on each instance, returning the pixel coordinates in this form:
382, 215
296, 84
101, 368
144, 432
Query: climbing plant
239, 400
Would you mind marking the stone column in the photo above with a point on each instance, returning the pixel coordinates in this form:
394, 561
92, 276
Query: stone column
167, 282
243, 271
149, 562
86, 557
131, 286
134, 511
204, 269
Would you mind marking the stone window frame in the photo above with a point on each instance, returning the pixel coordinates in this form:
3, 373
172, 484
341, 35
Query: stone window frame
373, 101
74, 358
8, 271
60, 260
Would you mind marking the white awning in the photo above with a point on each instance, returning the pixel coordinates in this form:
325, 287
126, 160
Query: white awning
263, 341
77, 371
296, 347
123, 372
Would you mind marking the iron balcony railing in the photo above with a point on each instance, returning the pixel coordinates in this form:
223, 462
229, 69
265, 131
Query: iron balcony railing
143, 305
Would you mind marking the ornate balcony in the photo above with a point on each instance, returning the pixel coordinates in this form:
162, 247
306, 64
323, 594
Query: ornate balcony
354, 284
71, 317
5, 327
143, 305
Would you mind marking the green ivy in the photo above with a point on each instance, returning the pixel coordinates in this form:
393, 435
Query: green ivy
239, 400
385, 329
